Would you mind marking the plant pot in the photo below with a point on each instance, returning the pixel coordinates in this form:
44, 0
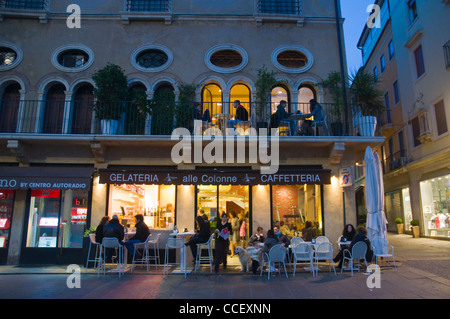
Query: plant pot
109, 127
336, 128
415, 231
367, 125
399, 229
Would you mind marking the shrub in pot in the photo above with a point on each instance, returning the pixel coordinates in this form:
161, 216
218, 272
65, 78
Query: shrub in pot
264, 85
415, 228
399, 223
334, 84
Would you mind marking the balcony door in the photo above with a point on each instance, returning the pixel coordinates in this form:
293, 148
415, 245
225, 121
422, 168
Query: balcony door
9, 108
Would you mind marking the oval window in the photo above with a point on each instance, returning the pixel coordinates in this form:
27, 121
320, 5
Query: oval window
226, 58
72, 58
292, 59
151, 58
10, 56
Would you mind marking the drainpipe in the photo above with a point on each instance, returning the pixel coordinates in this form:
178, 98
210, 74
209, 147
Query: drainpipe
341, 62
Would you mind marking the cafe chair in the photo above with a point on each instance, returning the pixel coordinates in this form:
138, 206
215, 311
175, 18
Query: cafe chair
154, 243
175, 243
244, 128
381, 249
303, 252
358, 253
277, 254
199, 259
324, 252
110, 243
323, 123
144, 259
322, 239
92, 242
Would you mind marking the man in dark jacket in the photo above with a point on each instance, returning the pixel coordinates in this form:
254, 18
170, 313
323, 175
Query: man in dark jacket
142, 232
113, 229
362, 236
202, 235
241, 114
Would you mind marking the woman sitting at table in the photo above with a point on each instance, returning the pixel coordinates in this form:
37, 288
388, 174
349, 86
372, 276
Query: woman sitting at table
201, 236
347, 235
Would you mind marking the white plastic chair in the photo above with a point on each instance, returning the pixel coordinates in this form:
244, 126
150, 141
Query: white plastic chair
144, 259
154, 243
92, 242
324, 252
321, 123
358, 252
175, 243
296, 240
322, 239
381, 249
199, 258
277, 254
303, 252
110, 243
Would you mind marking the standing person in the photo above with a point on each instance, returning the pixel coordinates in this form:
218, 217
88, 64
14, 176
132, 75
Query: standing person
201, 236
142, 232
348, 234
113, 229
235, 227
99, 229
223, 232
241, 114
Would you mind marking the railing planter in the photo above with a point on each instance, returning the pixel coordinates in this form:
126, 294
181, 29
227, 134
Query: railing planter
367, 125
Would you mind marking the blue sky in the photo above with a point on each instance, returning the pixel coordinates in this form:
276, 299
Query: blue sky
355, 15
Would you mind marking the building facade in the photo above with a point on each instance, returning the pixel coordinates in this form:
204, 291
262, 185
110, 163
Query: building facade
61, 175
413, 46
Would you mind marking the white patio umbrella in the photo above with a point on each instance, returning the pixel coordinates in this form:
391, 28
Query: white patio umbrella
374, 192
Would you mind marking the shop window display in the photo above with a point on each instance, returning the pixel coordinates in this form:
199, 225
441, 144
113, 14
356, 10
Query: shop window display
155, 202
6, 209
293, 205
57, 218
435, 197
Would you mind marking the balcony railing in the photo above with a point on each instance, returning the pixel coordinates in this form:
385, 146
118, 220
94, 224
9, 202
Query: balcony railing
80, 117
279, 6
147, 5
24, 4
395, 161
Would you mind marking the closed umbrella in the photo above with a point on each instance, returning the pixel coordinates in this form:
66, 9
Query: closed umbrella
374, 191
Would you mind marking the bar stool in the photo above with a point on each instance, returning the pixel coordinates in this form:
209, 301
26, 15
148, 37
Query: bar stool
145, 256
155, 244
111, 243
199, 258
96, 256
175, 243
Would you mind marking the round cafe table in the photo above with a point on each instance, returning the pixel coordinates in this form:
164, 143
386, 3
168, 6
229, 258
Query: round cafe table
223, 118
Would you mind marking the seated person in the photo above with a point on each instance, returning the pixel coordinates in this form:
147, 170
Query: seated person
257, 238
202, 235
283, 116
142, 232
200, 121
241, 114
316, 111
113, 229
308, 232
283, 239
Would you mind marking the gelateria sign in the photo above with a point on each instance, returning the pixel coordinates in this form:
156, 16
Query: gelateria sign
293, 177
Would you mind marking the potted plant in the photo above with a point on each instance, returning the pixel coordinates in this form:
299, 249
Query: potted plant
399, 223
264, 84
110, 93
415, 228
334, 84
368, 98
184, 109
138, 113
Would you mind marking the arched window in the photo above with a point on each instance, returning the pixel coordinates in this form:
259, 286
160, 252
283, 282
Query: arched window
212, 99
83, 102
54, 109
240, 92
163, 109
305, 94
278, 94
9, 108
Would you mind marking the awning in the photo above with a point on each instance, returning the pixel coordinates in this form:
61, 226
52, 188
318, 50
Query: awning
197, 177
46, 177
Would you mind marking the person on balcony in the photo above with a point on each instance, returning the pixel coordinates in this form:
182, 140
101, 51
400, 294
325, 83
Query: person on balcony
283, 116
241, 114
316, 111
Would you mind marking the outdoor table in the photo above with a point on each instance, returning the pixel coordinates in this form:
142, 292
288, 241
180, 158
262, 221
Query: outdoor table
223, 118
180, 270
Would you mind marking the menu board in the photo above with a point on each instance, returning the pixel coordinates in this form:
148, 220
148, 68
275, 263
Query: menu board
48, 222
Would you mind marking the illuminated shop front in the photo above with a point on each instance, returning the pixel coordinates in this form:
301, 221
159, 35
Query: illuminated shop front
174, 198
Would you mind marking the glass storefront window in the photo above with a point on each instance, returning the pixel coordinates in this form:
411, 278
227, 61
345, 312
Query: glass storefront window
293, 205
155, 202
407, 211
57, 218
6, 209
435, 198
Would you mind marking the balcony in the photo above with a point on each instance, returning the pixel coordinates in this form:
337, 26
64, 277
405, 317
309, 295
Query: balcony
286, 11
395, 161
79, 118
25, 9
24, 4
147, 10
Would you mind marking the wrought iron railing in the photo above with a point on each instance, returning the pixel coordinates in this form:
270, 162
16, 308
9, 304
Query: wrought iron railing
279, 6
157, 118
395, 161
24, 4
147, 5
